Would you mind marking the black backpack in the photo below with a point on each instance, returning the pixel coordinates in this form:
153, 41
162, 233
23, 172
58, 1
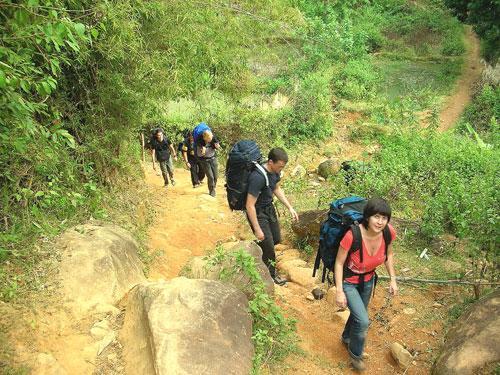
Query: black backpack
345, 213
243, 158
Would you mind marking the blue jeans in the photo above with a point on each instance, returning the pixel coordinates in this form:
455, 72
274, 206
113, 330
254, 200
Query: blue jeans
356, 328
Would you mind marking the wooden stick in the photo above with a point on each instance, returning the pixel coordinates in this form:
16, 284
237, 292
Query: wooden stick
142, 148
409, 279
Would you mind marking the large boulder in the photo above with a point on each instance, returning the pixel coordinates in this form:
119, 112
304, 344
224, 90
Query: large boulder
99, 265
473, 341
186, 326
200, 268
307, 227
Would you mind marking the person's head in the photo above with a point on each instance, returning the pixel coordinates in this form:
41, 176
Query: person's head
159, 134
208, 136
377, 214
277, 159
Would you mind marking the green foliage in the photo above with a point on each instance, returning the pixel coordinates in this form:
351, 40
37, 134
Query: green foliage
273, 335
357, 80
483, 15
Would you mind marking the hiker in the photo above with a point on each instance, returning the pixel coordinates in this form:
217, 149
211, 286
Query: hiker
190, 159
355, 277
163, 151
206, 146
260, 209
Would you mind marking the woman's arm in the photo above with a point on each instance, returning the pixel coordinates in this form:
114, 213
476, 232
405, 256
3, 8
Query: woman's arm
338, 272
389, 265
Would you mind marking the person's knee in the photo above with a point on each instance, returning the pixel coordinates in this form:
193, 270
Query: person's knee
363, 323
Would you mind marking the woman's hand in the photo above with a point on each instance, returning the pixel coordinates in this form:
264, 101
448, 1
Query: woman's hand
393, 287
340, 299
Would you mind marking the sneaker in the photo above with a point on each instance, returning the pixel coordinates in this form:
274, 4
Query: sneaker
278, 280
212, 193
358, 364
346, 344
173, 182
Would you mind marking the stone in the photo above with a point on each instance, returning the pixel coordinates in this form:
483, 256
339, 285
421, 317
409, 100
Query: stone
342, 316
281, 247
401, 355
285, 266
301, 276
198, 268
299, 171
321, 179
46, 364
290, 254
99, 265
318, 293
328, 168
100, 330
307, 227
309, 297
187, 326
473, 340
106, 341
331, 295
314, 183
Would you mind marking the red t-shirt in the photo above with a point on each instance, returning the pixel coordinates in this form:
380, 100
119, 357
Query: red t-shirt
369, 262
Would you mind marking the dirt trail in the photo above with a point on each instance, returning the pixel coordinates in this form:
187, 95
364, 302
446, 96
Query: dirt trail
456, 103
188, 222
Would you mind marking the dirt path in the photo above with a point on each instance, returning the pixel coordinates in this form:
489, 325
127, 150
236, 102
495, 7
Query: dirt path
456, 103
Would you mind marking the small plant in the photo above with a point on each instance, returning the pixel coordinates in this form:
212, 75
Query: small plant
274, 335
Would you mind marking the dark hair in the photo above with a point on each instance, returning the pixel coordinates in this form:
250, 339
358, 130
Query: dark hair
376, 206
277, 154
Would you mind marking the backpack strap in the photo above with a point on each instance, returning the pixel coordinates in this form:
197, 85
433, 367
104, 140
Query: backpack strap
387, 238
356, 241
263, 171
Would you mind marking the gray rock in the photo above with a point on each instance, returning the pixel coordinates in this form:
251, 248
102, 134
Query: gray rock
186, 326
308, 224
318, 293
299, 171
99, 265
473, 340
401, 355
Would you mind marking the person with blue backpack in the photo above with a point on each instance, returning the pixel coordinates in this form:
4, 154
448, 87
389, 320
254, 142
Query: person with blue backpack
188, 150
262, 185
362, 249
206, 146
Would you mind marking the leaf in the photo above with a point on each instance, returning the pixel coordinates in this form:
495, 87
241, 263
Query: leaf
80, 29
3, 81
94, 33
33, 3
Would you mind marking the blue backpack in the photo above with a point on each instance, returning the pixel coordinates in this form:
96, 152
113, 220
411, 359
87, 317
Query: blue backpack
199, 130
345, 213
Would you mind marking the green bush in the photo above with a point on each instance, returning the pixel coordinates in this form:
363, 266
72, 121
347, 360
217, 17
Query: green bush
357, 80
484, 108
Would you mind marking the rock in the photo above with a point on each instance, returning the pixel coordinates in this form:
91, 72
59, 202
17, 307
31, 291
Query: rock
290, 254
106, 341
401, 355
307, 227
301, 276
186, 326
281, 247
318, 293
314, 183
321, 179
473, 341
285, 266
309, 297
331, 295
99, 265
299, 171
46, 364
342, 316
436, 304
409, 311
328, 168
198, 268
90, 352
100, 330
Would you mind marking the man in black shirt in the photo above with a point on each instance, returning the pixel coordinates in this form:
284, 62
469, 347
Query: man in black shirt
260, 209
206, 147
162, 150
191, 160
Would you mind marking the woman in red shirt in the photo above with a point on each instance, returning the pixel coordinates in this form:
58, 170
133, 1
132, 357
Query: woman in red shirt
357, 278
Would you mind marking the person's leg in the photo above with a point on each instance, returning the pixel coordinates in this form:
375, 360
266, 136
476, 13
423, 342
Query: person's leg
207, 167
267, 245
164, 172
194, 172
274, 225
357, 325
215, 170
170, 168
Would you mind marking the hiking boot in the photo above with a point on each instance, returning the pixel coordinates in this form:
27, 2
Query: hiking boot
346, 344
278, 280
358, 364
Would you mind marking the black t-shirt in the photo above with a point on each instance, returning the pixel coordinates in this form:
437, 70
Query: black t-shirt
189, 148
162, 149
257, 187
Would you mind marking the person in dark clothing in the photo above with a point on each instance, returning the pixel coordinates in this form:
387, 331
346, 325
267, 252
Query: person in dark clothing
206, 147
260, 209
191, 160
162, 151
